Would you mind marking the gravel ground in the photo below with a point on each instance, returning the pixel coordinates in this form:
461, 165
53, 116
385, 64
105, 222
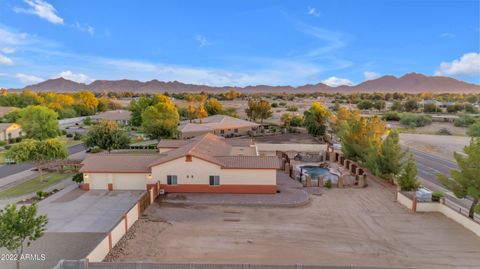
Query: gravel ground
439, 145
341, 227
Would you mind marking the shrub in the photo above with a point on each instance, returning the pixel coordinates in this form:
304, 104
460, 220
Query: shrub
444, 131
78, 178
328, 184
77, 136
2, 143
69, 135
282, 104
412, 120
391, 115
95, 150
436, 195
41, 194
292, 108
464, 121
18, 140
474, 129
274, 104
64, 132
7, 146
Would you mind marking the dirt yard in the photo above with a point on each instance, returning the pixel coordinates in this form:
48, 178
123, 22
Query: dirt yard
440, 145
341, 227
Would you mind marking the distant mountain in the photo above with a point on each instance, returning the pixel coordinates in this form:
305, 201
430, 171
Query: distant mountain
410, 83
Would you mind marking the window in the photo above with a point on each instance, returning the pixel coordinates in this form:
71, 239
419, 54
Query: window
222, 131
236, 130
214, 180
171, 180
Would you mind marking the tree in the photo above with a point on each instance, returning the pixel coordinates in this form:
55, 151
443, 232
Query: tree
315, 119
86, 103
201, 113
39, 122
474, 129
411, 105
258, 109
390, 156
465, 182
365, 104
107, 135
137, 107
231, 94
38, 151
191, 112
397, 106
160, 120
213, 107
20, 227
286, 119
407, 179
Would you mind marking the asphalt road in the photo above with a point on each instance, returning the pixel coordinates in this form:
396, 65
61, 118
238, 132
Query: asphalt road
428, 166
8, 170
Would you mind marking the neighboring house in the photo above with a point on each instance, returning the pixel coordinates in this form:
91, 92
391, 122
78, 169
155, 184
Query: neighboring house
9, 131
208, 163
120, 116
220, 125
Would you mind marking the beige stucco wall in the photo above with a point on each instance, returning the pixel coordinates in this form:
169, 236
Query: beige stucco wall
100, 251
120, 181
199, 172
14, 131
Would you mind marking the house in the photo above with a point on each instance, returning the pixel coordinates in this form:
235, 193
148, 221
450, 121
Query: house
120, 116
206, 163
220, 125
9, 131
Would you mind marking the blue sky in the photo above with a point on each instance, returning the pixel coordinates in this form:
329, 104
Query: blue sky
237, 42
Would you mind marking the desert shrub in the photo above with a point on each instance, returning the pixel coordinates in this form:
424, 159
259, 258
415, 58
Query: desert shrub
274, 104
77, 136
41, 194
292, 108
444, 131
69, 135
436, 195
412, 120
391, 115
282, 104
328, 184
464, 121
64, 132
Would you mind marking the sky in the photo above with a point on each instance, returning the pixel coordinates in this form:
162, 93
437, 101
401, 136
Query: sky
237, 43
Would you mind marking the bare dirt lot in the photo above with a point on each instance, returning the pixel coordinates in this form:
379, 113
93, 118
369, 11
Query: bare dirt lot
440, 145
341, 227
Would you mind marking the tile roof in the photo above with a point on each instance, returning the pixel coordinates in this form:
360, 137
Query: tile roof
113, 115
215, 122
117, 163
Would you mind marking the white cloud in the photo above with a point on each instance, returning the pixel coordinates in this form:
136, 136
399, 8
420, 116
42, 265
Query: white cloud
335, 81
5, 60
7, 50
447, 35
369, 75
8, 37
80, 78
28, 79
202, 41
84, 28
42, 9
313, 12
468, 65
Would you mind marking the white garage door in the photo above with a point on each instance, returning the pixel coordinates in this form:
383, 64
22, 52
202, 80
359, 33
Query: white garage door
129, 181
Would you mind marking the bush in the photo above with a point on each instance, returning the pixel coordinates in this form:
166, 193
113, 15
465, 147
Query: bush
474, 129
69, 135
2, 143
391, 115
64, 132
436, 195
274, 104
42, 194
18, 140
77, 136
78, 178
95, 150
282, 104
444, 131
7, 146
413, 121
464, 121
292, 108
328, 184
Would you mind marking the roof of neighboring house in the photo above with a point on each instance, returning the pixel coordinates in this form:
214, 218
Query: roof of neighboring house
214, 123
113, 115
173, 143
4, 110
5, 126
117, 163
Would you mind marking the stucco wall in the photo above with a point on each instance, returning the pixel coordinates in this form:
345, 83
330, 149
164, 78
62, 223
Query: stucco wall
100, 251
120, 181
13, 131
199, 171
404, 200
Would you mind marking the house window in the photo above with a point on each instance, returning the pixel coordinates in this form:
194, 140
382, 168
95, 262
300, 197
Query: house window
222, 131
236, 130
171, 180
214, 180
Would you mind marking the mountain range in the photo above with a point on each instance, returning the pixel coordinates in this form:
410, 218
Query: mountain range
409, 83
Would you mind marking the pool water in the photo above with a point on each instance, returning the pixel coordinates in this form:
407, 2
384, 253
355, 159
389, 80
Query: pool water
315, 171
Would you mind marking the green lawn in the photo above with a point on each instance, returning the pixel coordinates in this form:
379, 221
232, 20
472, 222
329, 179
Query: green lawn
33, 185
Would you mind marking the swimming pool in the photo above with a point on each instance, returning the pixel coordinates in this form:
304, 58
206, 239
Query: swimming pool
315, 171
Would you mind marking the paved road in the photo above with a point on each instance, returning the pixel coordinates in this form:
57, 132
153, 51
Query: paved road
428, 166
8, 170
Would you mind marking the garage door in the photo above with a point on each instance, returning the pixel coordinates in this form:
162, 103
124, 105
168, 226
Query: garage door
129, 181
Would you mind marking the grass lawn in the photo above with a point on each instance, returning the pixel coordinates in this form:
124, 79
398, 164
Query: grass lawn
33, 185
